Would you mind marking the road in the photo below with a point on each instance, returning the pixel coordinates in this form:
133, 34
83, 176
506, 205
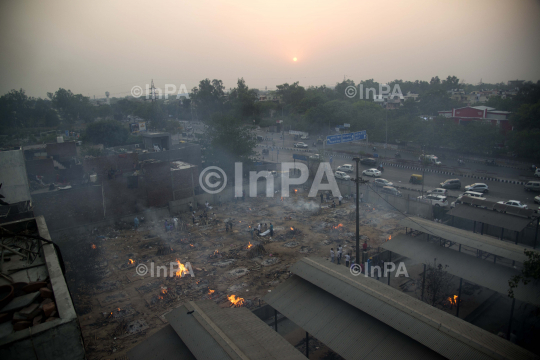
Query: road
498, 191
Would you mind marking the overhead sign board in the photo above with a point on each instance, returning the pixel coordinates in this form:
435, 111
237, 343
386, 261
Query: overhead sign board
347, 125
343, 138
300, 157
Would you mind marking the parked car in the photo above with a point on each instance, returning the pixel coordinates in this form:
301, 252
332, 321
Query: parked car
305, 137
451, 184
259, 138
301, 145
316, 157
368, 161
382, 182
391, 190
346, 168
532, 186
477, 187
341, 175
516, 203
537, 199
436, 200
537, 172
438, 191
371, 172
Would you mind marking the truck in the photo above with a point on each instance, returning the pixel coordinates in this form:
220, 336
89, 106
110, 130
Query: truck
431, 159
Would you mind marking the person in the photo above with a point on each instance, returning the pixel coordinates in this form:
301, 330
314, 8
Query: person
226, 227
333, 204
340, 199
166, 226
322, 198
331, 254
136, 222
339, 254
230, 224
364, 245
193, 217
361, 197
368, 265
348, 260
327, 196
190, 207
271, 230
259, 229
175, 220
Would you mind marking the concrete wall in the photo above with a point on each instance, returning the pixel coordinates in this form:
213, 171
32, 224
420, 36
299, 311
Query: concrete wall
13, 177
103, 164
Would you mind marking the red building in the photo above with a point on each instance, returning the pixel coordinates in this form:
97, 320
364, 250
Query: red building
479, 113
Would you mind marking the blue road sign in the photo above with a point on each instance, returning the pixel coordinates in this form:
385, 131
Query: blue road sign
299, 157
343, 138
333, 139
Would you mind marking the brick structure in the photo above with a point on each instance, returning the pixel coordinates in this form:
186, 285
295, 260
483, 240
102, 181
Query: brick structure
62, 151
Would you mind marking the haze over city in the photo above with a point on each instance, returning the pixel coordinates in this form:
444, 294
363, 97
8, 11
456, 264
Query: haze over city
95, 46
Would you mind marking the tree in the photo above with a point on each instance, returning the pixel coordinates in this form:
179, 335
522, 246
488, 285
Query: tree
228, 140
243, 100
208, 98
107, 132
437, 283
530, 271
291, 94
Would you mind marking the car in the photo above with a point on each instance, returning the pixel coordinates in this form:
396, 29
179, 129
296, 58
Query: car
371, 172
438, 191
451, 184
537, 172
472, 194
477, 187
382, 182
515, 203
532, 186
537, 199
346, 168
391, 190
341, 175
300, 145
305, 137
368, 161
436, 200
317, 157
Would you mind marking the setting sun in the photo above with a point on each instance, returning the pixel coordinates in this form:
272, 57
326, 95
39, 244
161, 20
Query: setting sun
294, 59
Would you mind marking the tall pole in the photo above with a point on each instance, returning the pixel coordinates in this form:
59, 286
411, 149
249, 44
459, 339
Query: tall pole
423, 171
357, 180
386, 144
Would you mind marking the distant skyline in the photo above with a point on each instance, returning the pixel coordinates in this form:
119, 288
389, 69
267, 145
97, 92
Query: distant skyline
91, 47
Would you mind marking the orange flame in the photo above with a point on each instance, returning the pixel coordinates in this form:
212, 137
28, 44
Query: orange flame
182, 270
292, 229
130, 261
338, 226
191, 245
163, 291
118, 309
282, 198
453, 301
94, 246
250, 209
295, 190
249, 245
236, 302
210, 291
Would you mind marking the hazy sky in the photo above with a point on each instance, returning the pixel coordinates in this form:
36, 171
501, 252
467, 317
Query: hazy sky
95, 46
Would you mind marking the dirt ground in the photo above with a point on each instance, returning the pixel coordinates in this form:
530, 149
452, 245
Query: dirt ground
118, 308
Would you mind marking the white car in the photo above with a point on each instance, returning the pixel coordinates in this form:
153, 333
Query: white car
436, 200
316, 157
371, 172
537, 199
304, 137
382, 182
438, 191
346, 168
300, 145
477, 187
341, 175
515, 203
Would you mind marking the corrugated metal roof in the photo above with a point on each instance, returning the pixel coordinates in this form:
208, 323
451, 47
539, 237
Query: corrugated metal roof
444, 333
507, 221
481, 272
348, 331
460, 236
211, 332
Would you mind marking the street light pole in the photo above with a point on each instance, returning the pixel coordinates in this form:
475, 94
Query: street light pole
357, 181
423, 171
386, 144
